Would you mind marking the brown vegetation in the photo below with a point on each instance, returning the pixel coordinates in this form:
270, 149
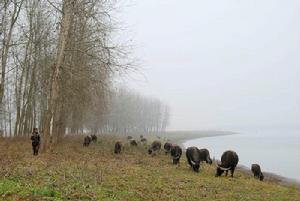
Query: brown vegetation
71, 172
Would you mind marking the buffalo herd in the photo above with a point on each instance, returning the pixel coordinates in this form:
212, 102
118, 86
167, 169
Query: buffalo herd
195, 156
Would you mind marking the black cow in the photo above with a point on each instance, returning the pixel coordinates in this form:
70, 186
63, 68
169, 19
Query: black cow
144, 140
229, 161
94, 138
155, 147
86, 141
167, 147
118, 147
35, 139
133, 143
193, 158
255, 168
129, 137
204, 156
176, 153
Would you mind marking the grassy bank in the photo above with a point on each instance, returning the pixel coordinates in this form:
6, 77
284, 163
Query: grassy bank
72, 172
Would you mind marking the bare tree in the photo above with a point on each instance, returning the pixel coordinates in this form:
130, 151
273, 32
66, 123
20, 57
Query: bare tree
10, 11
58, 60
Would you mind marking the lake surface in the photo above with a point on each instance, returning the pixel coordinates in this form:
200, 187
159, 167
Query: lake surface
276, 151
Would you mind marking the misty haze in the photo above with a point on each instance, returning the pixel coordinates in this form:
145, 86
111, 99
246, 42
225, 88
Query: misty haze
149, 100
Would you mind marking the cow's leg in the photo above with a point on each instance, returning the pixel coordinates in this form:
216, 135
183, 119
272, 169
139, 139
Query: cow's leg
189, 161
175, 161
226, 173
33, 149
232, 171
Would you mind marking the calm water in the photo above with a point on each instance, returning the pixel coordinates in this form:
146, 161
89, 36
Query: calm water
276, 151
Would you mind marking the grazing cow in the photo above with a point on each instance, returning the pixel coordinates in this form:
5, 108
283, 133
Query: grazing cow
255, 168
86, 141
133, 143
129, 137
35, 138
204, 156
94, 138
155, 147
118, 147
229, 161
176, 153
167, 147
144, 140
193, 158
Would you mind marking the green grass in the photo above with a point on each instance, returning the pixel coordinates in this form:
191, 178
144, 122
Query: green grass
72, 172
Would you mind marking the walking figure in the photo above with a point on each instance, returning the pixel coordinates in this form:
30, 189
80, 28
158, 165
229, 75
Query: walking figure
35, 138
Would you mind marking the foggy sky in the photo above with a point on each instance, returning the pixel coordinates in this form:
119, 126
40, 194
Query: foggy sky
223, 64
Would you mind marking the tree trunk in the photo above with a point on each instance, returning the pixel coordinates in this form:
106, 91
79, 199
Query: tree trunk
6, 46
66, 23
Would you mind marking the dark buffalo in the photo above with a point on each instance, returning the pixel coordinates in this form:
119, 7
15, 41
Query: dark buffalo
204, 156
118, 147
193, 158
94, 138
133, 143
229, 160
255, 168
129, 137
155, 147
176, 153
87, 140
144, 140
167, 147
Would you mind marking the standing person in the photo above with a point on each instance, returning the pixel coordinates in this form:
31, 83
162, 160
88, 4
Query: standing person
35, 138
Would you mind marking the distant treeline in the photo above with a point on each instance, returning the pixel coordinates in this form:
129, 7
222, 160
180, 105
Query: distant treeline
131, 112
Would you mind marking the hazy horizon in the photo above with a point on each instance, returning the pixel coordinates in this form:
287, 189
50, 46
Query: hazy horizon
223, 66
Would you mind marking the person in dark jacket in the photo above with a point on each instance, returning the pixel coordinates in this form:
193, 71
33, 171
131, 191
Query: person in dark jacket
36, 139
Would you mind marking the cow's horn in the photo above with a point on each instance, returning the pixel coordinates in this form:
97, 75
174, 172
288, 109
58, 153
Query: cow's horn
193, 163
225, 169
176, 157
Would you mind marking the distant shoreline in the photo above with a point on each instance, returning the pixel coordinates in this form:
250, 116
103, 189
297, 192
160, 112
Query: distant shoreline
181, 137
192, 135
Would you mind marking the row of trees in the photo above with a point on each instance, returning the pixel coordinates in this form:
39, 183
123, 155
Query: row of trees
57, 63
58, 60
133, 113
